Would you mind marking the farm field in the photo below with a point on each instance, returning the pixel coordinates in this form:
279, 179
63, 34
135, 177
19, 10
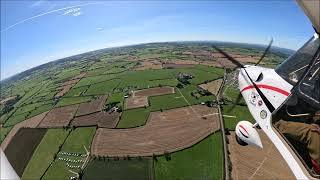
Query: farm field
26, 139
170, 130
76, 144
203, 160
108, 168
81, 100
44, 154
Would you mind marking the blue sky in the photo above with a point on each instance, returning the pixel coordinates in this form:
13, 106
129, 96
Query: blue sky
36, 32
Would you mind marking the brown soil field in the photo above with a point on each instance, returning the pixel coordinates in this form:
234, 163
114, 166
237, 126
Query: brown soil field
20, 149
169, 131
148, 65
212, 86
92, 106
136, 102
59, 117
80, 76
72, 81
171, 65
154, 91
63, 90
66, 86
249, 162
101, 119
28, 123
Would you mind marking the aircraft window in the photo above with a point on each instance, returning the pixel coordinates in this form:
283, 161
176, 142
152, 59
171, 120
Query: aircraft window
293, 68
310, 85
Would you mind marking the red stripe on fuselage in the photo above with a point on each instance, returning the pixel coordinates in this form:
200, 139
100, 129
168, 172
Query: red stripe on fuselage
244, 129
281, 91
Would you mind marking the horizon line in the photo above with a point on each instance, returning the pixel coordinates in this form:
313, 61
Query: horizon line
135, 44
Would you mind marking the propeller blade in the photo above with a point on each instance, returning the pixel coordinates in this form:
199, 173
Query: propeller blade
239, 97
231, 59
265, 52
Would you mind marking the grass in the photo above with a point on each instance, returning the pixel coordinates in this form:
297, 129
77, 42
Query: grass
16, 119
116, 98
120, 170
241, 113
202, 161
74, 100
75, 143
169, 101
76, 91
133, 117
41, 109
44, 154
4, 132
78, 139
103, 87
186, 91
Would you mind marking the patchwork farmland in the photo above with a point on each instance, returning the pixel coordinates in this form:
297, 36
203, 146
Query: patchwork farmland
146, 112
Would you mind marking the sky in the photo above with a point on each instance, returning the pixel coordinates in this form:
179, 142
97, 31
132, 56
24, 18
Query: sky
36, 32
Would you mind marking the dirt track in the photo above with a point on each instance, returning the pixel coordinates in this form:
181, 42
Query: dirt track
249, 162
170, 131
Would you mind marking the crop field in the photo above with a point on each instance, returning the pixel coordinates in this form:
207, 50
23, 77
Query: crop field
22, 146
92, 106
254, 163
59, 117
204, 160
76, 145
66, 101
86, 92
100, 119
169, 130
239, 113
108, 168
44, 154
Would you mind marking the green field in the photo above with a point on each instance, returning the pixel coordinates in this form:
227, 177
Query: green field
74, 100
44, 154
16, 119
4, 132
240, 112
77, 141
202, 161
133, 118
103, 87
140, 169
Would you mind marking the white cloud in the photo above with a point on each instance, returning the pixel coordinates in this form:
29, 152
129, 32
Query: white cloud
45, 13
77, 13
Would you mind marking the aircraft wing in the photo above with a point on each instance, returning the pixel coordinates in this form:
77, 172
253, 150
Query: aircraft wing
312, 9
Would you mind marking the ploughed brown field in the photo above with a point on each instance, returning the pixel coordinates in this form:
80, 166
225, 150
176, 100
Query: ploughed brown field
59, 117
92, 106
212, 86
148, 65
20, 149
249, 162
101, 119
139, 98
28, 123
167, 131
135, 102
154, 91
